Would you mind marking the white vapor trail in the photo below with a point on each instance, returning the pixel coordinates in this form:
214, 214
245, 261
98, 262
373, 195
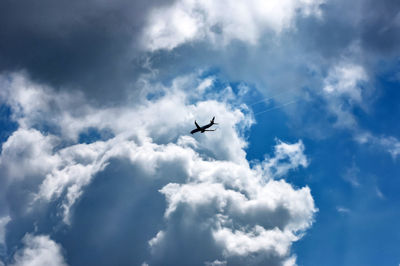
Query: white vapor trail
277, 107
272, 97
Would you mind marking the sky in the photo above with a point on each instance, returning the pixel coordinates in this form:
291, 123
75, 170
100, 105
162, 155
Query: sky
98, 166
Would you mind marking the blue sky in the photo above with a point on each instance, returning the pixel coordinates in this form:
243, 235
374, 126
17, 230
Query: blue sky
98, 166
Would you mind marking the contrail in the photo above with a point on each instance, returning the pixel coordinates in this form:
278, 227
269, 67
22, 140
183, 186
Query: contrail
271, 97
277, 107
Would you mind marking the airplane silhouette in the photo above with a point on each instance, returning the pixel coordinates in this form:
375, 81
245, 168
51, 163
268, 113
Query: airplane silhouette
203, 128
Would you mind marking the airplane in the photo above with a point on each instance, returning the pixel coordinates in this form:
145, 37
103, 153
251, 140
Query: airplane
203, 128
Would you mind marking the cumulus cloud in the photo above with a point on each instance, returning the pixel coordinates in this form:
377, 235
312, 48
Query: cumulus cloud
255, 222
221, 21
287, 156
216, 203
344, 80
39, 250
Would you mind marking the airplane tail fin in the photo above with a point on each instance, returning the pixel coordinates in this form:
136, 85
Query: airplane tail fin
212, 120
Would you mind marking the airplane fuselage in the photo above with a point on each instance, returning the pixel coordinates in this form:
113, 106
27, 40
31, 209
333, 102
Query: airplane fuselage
201, 129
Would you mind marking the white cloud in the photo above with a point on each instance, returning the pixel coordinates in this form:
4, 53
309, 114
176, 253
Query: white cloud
342, 90
391, 144
3, 222
344, 79
387, 143
379, 193
241, 211
222, 21
28, 152
343, 210
39, 250
351, 175
215, 263
287, 156
257, 240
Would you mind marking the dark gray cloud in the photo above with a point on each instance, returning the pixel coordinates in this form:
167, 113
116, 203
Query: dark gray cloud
94, 45
365, 31
115, 219
89, 45
381, 27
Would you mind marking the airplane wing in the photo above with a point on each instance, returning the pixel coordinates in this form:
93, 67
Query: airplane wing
209, 129
197, 125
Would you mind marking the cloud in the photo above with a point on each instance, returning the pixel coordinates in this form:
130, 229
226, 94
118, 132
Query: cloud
299, 56
216, 263
379, 193
387, 143
316, 52
221, 22
39, 250
102, 153
251, 222
88, 46
282, 44
351, 175
381, 27
3, 223
242, 213
343, 210
343, 90
287, 156
28, 151
391, 144
344, 79
347, 86
94, 47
